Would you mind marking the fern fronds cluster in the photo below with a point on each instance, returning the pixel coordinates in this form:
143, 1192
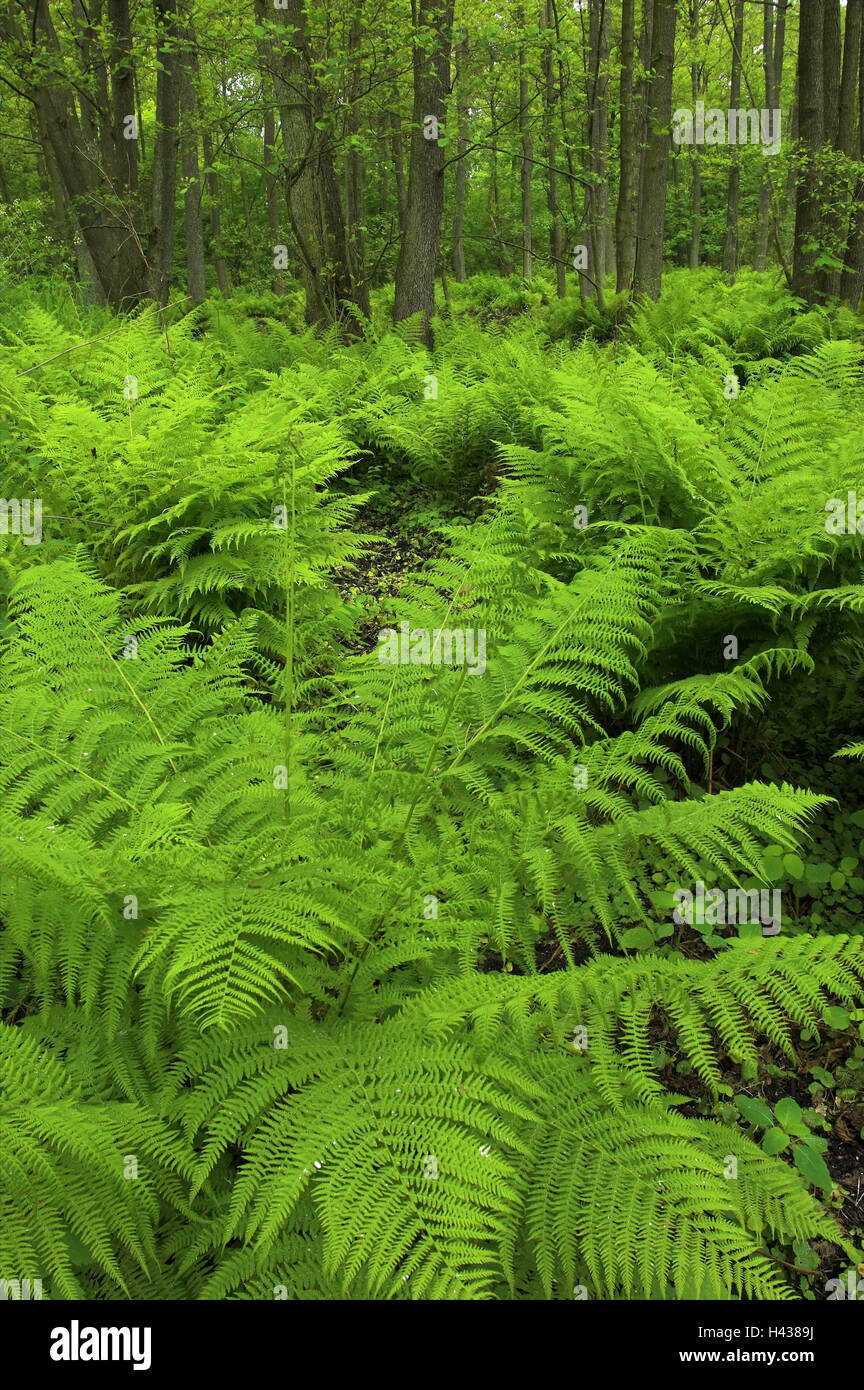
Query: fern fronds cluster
336, 953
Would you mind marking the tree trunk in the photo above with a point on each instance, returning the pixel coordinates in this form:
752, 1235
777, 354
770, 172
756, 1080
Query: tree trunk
331, 284
658, 113
196, 287
773, 38
831, 67
694, 253
106, 224
527, 150
271, 179
811, 129
556, 231
852, 284
733, 192
355, 165
214, 198
600, 43
625, 215
170, 61
461, 163
418, 250
505, 264
398, 164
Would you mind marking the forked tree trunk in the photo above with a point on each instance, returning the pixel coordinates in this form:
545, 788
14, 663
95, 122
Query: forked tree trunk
331, 284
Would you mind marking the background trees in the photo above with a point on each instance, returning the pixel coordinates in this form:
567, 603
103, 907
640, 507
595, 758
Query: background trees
177, 146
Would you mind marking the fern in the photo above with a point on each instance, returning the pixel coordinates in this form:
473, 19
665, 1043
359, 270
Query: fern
311, 936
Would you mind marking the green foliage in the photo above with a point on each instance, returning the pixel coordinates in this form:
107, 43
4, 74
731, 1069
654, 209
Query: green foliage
372, 968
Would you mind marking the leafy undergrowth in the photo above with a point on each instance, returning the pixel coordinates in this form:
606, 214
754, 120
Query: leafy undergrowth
347, 964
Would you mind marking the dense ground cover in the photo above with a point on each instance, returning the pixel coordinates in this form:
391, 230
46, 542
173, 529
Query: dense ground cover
327, 976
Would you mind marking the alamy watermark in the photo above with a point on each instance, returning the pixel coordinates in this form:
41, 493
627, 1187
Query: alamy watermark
847, 517
21, 1290
23, 517
442, 647
736, 126
719, 907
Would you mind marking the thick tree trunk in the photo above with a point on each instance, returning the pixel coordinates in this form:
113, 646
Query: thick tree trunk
658, 112
170, 60
107, 226
831, 67
125, 167
418, 250
95, 113
811, 129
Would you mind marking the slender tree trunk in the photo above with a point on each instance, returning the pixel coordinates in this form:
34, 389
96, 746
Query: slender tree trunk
418, 250
851, 59
461, 181
835, 220
852, 284
733, 192
271, 177
398, 164
600, 43
842, 96
695, 249
625, 216
652, 201
556, 231
773, 32
355, 165
527, 149
505, 264
214, 198
196, 286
